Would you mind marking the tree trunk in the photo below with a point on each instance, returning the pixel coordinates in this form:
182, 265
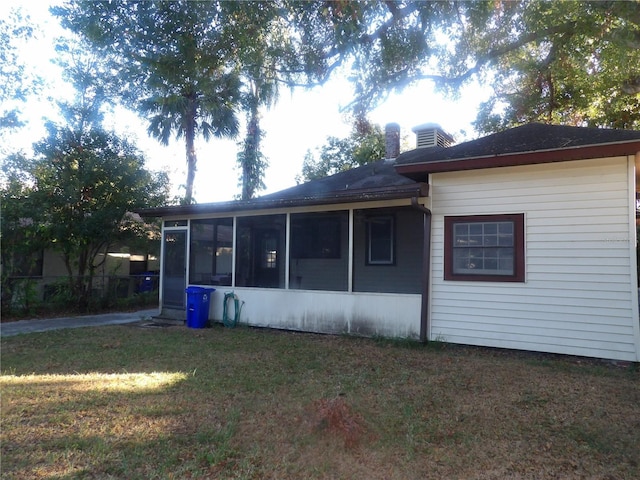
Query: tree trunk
82, 291
250, 157
192, 160
251, 170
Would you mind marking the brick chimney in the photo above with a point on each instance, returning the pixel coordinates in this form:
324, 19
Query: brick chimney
392, 141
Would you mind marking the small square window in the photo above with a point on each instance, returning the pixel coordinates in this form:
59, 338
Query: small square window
380, 240
484, 248
269, 252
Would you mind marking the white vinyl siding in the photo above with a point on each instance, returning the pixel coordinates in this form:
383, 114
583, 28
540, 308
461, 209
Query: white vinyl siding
578, 296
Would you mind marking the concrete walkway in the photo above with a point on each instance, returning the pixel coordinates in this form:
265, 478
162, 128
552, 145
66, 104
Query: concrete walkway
29, 326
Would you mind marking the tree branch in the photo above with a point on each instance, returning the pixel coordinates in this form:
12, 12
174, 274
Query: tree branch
404, 77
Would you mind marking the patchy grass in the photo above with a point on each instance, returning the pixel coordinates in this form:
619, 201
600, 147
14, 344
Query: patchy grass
134, 403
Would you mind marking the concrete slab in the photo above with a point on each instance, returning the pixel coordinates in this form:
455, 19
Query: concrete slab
42, 325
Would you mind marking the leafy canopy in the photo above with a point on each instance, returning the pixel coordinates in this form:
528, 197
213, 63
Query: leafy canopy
172, 61
580, 65
190, 67
75, 197
365, 143
16, 81
568, 62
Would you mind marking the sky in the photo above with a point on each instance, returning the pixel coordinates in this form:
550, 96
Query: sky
300, 121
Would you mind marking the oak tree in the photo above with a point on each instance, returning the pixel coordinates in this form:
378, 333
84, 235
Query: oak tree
570, 62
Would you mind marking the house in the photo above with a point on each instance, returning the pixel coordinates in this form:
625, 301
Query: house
38, 278
524, 239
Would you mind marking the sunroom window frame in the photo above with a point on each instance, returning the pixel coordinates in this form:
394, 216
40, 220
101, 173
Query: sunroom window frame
390, 220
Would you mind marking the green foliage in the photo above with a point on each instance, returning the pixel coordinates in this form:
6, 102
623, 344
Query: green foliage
87, 182
173, 63
191, 66
16, 83
564, 62
85, 71
59, 296
251, 160
365, 144
75, 197
20, 295
577, 65
262, 42
20, 234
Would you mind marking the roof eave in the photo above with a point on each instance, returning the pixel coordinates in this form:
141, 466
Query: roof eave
348, 196
417, 169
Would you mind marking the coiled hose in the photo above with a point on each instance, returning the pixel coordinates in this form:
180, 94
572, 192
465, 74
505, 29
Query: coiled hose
228, 322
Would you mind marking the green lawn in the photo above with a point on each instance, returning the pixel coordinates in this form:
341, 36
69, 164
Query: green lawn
140, 403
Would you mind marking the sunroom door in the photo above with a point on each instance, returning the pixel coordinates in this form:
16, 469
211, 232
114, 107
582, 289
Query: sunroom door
174, 270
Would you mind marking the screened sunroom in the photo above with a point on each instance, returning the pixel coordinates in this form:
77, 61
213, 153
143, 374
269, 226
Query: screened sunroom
323, 260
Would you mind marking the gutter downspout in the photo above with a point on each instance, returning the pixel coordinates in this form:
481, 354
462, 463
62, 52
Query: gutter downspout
426, 269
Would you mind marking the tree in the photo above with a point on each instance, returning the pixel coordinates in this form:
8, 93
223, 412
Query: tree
578, 65
251, 160
258, 62
365, 144
564, 62
171, 62
85, 72
78, 192
75, 197
191, 65
16, 83
20, 235
179, 54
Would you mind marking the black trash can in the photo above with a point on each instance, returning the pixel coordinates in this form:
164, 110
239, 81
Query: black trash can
198, 300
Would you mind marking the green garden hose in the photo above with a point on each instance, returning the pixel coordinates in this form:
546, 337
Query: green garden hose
228, 322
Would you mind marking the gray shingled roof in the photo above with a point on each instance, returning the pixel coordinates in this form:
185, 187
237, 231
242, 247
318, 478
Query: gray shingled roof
373, 181
527, 138
369, 177
380, 180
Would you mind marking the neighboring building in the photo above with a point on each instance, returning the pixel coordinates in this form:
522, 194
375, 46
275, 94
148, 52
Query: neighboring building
122, 273
524, 239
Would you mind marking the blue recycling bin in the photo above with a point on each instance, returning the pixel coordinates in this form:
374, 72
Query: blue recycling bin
146, 282
198, 299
